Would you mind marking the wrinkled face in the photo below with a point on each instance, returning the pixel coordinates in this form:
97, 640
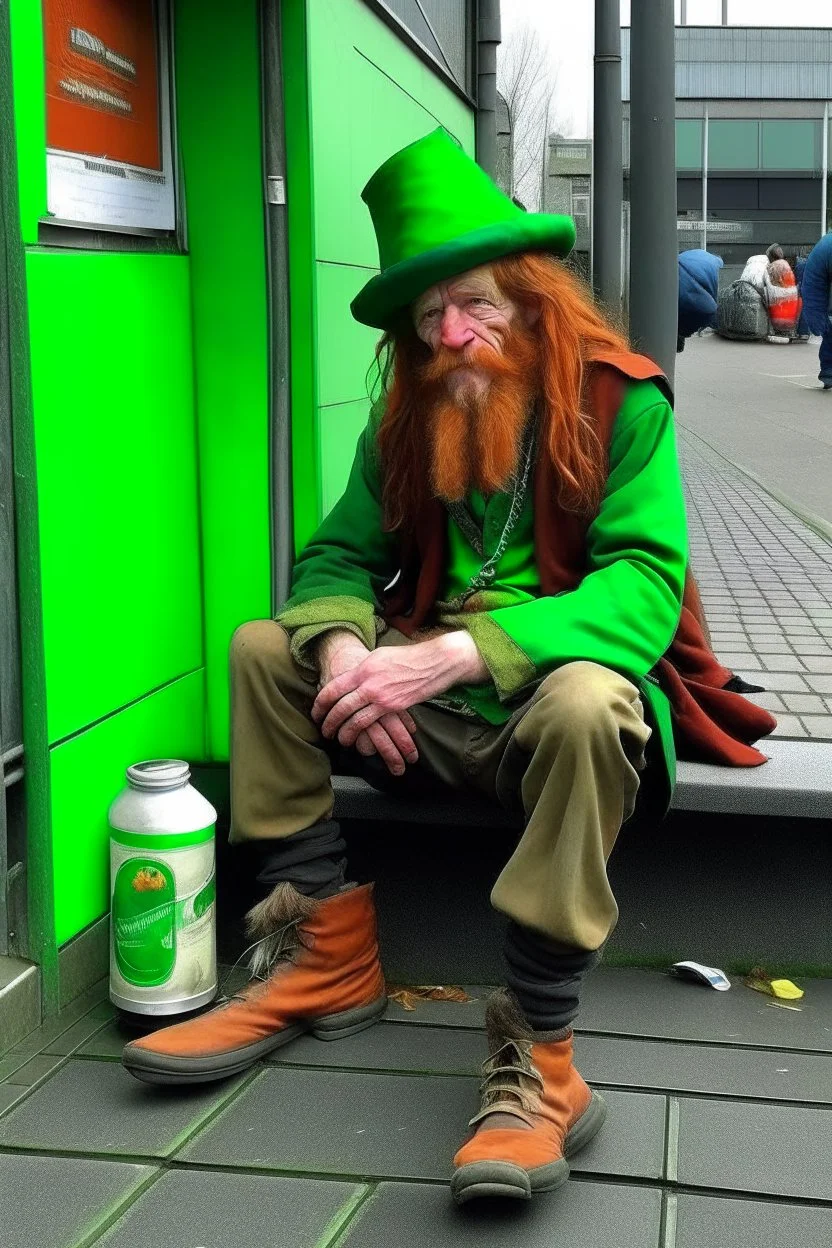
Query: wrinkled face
462, 317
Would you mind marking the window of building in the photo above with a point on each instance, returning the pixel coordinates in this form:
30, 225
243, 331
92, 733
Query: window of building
688, 143
580, 202
791, 144
733, 144
443, 29
733, 194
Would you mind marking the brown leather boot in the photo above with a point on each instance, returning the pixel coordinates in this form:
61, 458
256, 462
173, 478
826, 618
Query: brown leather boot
546, 1113
316, 969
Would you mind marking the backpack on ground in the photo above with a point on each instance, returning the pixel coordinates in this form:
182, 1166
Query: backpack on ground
741, 313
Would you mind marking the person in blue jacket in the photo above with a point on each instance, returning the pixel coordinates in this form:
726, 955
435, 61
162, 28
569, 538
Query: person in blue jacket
698, 287
815, 291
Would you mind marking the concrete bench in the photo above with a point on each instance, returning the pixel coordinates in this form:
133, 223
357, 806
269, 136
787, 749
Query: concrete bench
795, 782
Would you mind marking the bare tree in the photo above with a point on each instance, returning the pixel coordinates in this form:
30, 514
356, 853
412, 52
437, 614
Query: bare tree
527, 81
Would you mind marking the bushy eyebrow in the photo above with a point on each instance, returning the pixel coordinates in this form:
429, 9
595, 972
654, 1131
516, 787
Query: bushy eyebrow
478, 288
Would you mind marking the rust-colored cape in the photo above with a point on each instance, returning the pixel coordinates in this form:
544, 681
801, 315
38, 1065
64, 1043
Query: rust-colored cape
711, 723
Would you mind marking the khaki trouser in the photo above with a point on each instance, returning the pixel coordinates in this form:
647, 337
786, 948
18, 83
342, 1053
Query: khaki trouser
570, 757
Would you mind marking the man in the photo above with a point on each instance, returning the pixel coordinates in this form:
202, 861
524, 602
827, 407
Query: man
488, 607
816, 292
698, 292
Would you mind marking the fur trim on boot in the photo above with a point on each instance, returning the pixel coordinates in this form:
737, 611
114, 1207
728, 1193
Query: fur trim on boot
274, 924
504, 1020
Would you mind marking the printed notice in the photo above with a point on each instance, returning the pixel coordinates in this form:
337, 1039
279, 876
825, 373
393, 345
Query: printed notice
108, 132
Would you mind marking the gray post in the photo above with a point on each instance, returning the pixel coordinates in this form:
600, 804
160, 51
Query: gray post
488, 39
654, 276
607, 172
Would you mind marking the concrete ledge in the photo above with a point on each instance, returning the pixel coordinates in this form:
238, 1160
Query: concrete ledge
796, 782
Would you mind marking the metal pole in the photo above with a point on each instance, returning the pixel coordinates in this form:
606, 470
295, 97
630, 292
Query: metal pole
705, 182
724, 12
825, 169
654, 277
488, 39
607, 160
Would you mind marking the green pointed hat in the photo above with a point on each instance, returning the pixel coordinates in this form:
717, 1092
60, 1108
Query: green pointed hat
436, 213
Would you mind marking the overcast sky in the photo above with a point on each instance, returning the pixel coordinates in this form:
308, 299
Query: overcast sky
567, 28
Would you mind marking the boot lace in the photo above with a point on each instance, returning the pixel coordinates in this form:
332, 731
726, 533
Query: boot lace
283, 944
511, 1083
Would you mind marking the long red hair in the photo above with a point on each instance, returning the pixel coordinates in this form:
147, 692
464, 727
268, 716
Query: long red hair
571, 331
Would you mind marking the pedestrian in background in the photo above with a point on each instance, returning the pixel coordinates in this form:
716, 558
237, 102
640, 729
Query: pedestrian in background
815, 289
756, 270
783, 300
698, 288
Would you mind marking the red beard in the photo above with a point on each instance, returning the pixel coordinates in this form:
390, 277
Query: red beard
476, 433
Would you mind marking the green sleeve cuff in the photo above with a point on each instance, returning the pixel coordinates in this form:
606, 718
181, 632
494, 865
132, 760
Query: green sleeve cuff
510, 667
305, 622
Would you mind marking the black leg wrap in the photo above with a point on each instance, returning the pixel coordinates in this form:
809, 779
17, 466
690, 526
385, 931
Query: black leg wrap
312, 861
546, 979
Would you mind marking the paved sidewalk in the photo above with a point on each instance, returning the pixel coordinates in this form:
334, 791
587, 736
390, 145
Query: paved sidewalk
762, 406
766, 583
719, 1132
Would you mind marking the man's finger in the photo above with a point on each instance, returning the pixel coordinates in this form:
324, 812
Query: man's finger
409, 722
343, 710
333, 692
386, 749
364, 744
359, 722
398, 732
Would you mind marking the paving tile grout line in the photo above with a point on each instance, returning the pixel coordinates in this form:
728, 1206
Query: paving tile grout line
609, 1085
671, 1140
670, 1211
164, 1166
61, 1060
109, 1220
341, 1225
190, 1133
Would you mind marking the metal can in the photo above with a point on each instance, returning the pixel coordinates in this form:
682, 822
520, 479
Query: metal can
163, 948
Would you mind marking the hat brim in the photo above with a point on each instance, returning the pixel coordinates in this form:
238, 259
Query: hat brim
389, 293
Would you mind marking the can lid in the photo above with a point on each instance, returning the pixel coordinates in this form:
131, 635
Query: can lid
159, 773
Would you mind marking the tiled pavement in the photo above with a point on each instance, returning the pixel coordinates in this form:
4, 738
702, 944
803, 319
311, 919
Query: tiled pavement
766, 582
719, 1133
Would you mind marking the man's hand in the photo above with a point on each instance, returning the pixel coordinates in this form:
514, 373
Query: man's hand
391, 680
340, 652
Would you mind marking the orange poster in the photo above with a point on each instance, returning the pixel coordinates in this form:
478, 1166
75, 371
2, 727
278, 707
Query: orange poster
102, 80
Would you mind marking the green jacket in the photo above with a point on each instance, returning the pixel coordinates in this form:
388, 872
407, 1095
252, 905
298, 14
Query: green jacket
623, 614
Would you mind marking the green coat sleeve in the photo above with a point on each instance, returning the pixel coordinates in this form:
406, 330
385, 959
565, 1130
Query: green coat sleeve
339, 576
625, 612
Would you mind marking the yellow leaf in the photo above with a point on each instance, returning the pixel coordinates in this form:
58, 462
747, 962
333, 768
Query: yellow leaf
786, 990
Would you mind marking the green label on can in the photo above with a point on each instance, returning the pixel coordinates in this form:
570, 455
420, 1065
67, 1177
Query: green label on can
162, 914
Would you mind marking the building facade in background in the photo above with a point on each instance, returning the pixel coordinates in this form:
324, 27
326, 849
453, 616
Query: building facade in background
752, 138
568, 189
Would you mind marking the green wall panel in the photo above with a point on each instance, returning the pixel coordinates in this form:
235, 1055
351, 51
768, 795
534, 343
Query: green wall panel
218, 104
115, 446
354, 95
345, 347
396, 96
86, 774
29, 112
340, 426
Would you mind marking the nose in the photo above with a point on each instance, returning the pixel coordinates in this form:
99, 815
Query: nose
454, 331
